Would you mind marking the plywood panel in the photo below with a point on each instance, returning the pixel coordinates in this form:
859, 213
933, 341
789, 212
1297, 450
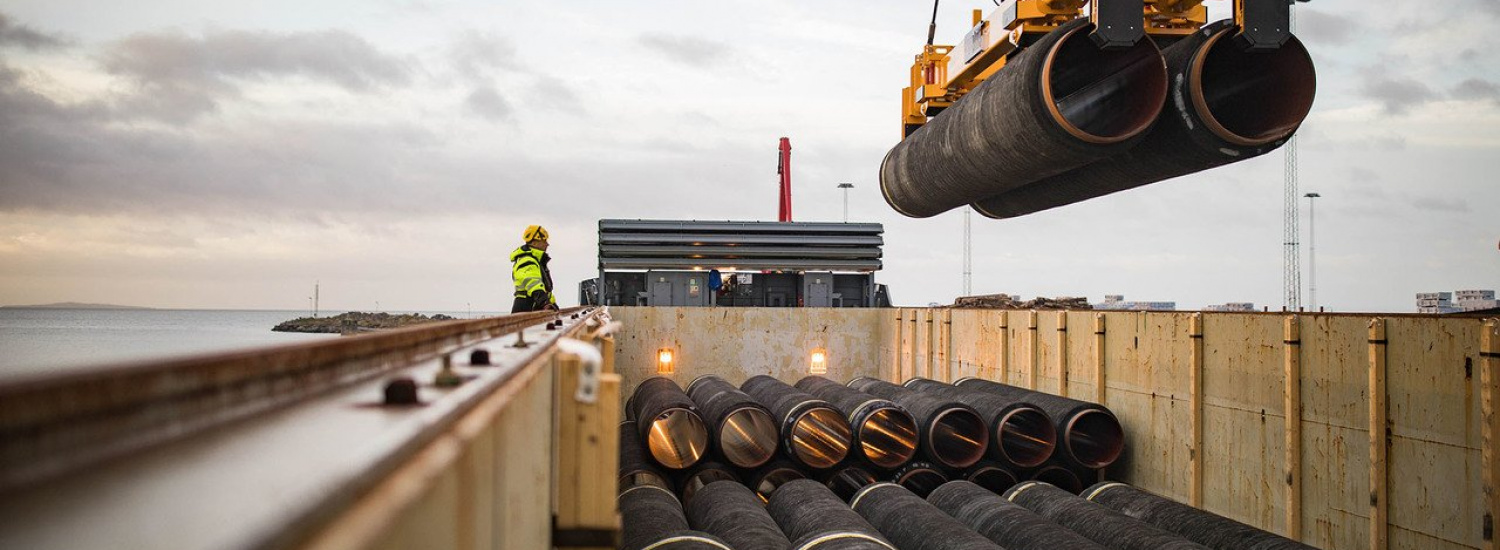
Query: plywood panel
1048, 374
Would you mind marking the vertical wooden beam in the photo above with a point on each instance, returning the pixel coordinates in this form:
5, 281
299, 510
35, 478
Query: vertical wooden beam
587, 447
931, 343
1036, 350
1004, 362
1379, 437
1489, 380
897, 347
1062, 353
1291, 337
912, 370
947, 345
1195, 404
1099, 380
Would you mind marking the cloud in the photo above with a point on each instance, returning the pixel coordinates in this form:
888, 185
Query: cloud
1476, 89
487, 103
1316, 26
1397, 95
687, 50
478, 55
177, 77
20, 35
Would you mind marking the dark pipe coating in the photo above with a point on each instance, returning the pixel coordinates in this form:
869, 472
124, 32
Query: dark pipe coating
1202, 527
813, 517
1022, 435
883, 432
914, 524
1226, 105
1058, 476
991, 476
1099, 524
635, 468
1006, 523
648, 514
766, 479
953, 434
1059, 104
732, 512
1089, 433
743, 431
692, 480
813, 432
920, 478
669, 423
847, 481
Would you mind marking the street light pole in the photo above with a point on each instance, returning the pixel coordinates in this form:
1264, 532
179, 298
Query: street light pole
1312, 254
846, 187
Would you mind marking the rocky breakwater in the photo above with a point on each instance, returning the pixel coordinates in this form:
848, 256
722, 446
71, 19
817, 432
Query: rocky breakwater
357, 321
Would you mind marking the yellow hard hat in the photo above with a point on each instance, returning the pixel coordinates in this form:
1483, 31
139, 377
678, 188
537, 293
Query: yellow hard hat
533, 233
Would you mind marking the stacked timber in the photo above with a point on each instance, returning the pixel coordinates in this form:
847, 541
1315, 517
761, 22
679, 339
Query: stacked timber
1006, 301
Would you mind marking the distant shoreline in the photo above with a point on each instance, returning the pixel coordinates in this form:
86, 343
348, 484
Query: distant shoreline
74, 305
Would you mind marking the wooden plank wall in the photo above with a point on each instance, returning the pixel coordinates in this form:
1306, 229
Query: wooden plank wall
1276, 452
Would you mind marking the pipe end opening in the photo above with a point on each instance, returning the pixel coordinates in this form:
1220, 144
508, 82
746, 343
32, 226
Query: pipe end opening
1095, 439
820, 438
677, 438
888, 437
747, 438
1027, 437
958, 438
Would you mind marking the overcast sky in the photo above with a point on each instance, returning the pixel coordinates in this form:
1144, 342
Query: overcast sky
214, 154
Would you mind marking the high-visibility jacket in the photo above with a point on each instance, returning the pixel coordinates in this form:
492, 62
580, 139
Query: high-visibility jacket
530, 273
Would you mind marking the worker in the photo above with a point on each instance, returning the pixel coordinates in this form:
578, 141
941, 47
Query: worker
529, 271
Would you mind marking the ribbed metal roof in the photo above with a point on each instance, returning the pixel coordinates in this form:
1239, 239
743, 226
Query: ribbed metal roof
789, 246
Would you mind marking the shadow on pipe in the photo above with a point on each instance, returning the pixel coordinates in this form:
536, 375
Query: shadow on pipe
1058, 476
953, 434
700, 475
914, 524
1090, 435
884, 433
815, 519
1097, 523
669, 423
813, 432
1007, 523
1202, 527
743, 431
1021, 434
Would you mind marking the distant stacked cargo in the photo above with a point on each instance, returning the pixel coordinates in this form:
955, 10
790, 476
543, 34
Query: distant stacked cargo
1117, 302
1456, 302
1232, 306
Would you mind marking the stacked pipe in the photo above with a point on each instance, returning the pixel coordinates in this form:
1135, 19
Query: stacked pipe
884, 433
1229, 104
912, 523
1208, 529
668, 422
1088, 434
635, 468
766, 479
1060, 104
1099, 524
1004, 522
952, 434
742, 431
1021, 434
694, 479
652, 517
732, 512
815, 519
847, 481
813, 433
990, 475
921, 478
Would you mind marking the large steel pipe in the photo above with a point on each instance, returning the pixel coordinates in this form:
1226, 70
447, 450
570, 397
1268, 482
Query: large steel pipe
694, 479
732, 512
1007, 523
1021, 434
652, 518
914, 524
920, 478
1059, 104
885, 434
813, 432
766, 479
635, 467
953, 434
1227, 105
1090, 434
847, 481
742, 431
991, 476
1058, 476
815, 519
669, 423
1099, 524
1202, 527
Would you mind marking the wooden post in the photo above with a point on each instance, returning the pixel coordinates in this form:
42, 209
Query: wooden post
947, 345
1291, 337
1062, 353
897, 347
1378, 437
1489, 380
587, 452
607, 350
931, 344
1099, 380
1032, 367
1004, 362
1195, 399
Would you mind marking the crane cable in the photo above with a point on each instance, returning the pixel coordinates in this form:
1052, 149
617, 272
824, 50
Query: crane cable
932, 27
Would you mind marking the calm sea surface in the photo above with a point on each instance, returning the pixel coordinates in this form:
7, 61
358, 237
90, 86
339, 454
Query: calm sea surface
34, 341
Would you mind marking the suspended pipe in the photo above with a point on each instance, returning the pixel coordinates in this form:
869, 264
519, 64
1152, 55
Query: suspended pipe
991, 476
1006, 523
1227, 105
1097, 523
885, 434
1202, 527
651, 517
692, 480
813, 433
766, 479
814, 518
635, 467
953, 435
1058, 476
733, 513
848, 480
669, 423
742, 431
1059, 104
1089, 433
1021, 434
914, 524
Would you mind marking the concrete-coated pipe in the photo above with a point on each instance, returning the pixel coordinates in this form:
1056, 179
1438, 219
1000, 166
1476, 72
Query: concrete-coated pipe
1089, 434
1021, 434
847, 481
742, 431
1200, 526
914, 524
952, 434
1097, 523
1225, 105
813, 433
992, 476
1058, 476
766, 479
884, 433
651, 517
816, 519
1006, 523
920, 478
669, 423
1059, 104
690, 481
635, 467
733, 513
